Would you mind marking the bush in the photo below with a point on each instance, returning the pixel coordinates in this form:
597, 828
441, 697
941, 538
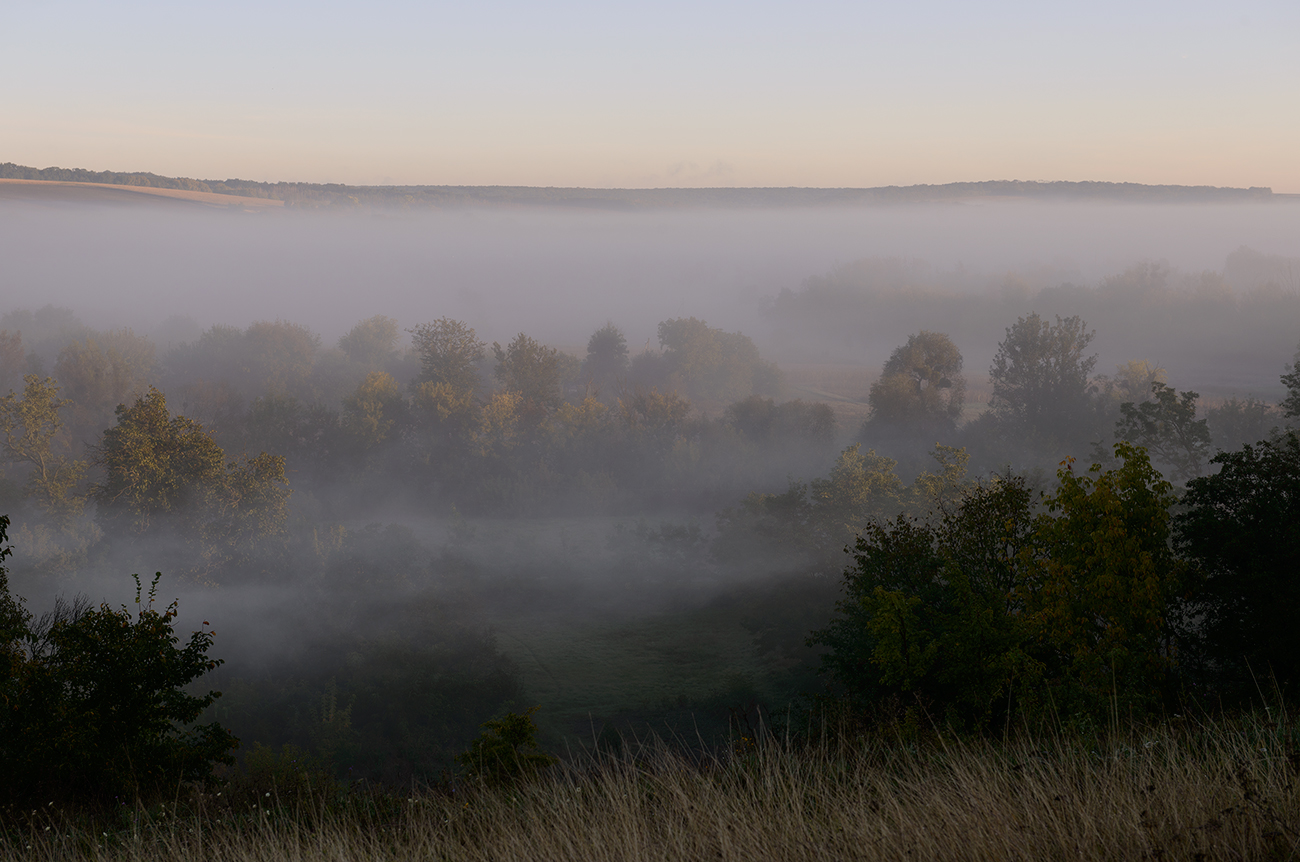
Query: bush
506, 750
94, 702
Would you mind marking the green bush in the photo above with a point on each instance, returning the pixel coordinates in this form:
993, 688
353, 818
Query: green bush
94, 705
506, 750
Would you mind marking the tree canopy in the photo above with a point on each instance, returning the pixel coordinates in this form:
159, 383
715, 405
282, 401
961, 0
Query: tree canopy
921, 385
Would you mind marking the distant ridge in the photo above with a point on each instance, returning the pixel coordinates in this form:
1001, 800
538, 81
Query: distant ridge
334, 196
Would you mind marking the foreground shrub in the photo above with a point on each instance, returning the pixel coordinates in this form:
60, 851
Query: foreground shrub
94, 707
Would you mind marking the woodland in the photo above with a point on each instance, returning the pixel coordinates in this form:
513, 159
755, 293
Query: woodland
431, 560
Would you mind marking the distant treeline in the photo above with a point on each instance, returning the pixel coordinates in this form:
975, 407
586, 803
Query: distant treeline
334, 195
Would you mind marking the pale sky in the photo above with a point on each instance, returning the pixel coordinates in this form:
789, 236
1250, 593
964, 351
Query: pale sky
658, 94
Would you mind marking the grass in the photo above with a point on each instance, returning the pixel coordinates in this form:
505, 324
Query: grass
1215, 790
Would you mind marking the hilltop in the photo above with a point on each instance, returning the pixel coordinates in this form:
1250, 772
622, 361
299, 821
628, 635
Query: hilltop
334, 195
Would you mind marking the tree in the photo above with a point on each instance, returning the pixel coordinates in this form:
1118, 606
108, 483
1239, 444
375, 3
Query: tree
934, 611
921, 385
1168, 428
862, 487
1241, 528
278, 356
95, 703
376, 411
163, 472
991, 610
101, 372
1107, 585
372, 341
154, 465
1238, 421
709, 364
607, 359
30, 426
1133, 381
11, 358
448, 352
531, 369
1291, 380
506, 750
1040, 380
764, 421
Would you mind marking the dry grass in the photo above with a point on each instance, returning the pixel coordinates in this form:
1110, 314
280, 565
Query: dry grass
1223, 791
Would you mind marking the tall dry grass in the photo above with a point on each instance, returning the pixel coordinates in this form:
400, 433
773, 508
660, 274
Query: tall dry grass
1223, 790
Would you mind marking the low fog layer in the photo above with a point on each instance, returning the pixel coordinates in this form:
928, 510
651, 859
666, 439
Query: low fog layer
444, 464
558, 274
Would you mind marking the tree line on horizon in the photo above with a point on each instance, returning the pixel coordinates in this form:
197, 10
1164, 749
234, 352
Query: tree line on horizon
342, 196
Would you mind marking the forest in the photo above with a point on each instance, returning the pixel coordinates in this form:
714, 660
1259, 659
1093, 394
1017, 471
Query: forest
408, 551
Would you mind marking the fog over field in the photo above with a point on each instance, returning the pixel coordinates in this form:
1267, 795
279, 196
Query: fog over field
633, 510
559, 274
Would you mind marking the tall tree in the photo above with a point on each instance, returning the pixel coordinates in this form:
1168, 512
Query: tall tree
607, 359
709, 364
1291, 380
1241, 527
1167, 426
531, 369
31, 427
372, 341
448, 350
1040, 381
100, 372
154, 464
11, 358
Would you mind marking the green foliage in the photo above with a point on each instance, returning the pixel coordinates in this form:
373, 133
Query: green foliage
154, 464
1167, 427
100, 372
372, 341
764, 421
1241, 527
607, 361
94, 703
162, 472
1238, 421
531, 369
375, 412
1040, 380
921, 385
861, 488
31, 425
448, 351
1291, 380
1106, 586
506, 751
994, 611
278, 355
712, 365
934, 612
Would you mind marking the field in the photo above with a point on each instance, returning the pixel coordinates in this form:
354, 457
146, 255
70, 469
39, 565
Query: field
1184, 790
50, 191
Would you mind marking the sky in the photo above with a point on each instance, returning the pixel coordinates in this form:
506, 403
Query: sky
658, 94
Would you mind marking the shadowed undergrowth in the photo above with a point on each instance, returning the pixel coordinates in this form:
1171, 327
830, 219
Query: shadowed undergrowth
1218, 790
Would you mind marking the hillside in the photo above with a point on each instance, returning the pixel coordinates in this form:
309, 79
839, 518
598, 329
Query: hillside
332, 195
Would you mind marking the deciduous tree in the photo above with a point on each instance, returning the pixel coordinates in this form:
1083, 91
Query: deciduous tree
921, 386
31, 427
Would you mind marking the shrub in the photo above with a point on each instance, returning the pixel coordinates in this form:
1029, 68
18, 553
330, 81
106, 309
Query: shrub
94, 702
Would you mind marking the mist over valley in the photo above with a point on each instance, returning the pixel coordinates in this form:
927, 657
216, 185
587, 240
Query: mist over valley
460, 461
